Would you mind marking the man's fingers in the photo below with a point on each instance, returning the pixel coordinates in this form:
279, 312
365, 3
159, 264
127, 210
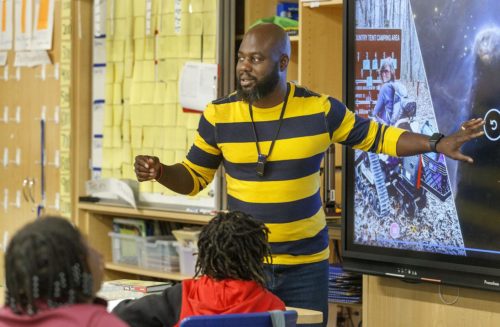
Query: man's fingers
472, 124
460, 156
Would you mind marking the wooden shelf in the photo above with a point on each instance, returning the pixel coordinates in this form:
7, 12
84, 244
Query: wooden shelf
331, 3
175, 216
144, 272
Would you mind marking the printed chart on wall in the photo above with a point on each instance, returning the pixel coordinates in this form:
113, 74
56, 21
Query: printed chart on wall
427, 66
139, 50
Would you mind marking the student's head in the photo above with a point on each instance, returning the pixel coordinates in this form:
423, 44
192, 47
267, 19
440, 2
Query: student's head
262, 61
233, 246
49, 264
387, 71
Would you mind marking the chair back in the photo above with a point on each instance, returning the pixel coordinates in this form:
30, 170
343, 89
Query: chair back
258, 319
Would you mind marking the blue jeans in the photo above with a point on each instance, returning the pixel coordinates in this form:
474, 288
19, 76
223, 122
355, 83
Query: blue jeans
302, 286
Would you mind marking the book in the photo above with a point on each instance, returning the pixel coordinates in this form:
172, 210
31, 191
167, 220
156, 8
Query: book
143, 286
127, 226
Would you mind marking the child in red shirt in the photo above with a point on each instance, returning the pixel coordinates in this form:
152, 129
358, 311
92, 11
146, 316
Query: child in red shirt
232, 249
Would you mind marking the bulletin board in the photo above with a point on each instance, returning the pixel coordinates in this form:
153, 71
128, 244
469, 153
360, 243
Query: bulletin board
139, 49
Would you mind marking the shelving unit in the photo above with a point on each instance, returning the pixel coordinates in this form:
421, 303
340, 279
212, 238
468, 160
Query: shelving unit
96, 221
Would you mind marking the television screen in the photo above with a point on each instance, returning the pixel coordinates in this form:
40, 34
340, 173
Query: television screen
425, 66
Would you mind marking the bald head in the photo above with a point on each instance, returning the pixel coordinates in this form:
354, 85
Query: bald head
271, 37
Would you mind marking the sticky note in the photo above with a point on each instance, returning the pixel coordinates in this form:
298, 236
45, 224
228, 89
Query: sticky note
117, 114
139, 27
106, 172
147, 92
168, 157
139, 49
110, 73
209, 5
136, 118
192, 121
149, 48
180, 155
181, 116
196, 24
183, 43
126, 131
171, 94
138, 71
121, 28
195, 47
139, 8
117, 93
159, 92
148, 71
136, 137
118, 50
169, 114
180, 138
169, 138
170, 47
126, 90
126, 112
128, 171
148, 115
185, 21
208, 46
190, 138
209, 23
128, 67
146, 187
148, 137
196, 6
117, 137
108, 114
108, 137
135, 93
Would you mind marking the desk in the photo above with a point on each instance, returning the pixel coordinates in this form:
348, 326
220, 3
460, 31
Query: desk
306, 316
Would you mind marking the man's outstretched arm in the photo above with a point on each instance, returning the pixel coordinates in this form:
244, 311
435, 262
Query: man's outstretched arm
412, 143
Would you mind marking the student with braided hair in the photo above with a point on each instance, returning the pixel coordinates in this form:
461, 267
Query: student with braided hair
52, 277
229, 277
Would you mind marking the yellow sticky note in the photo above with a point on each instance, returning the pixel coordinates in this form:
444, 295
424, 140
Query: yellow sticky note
185, 21
65, 160
126, 91
117, 162
129, 48
209, 23
147, 92
126, 112
128, 67
136, 117
118, 50
126, 152
193, 120
170, 47
120, 8
117, 137
181, 117
117, 93
119, 72
172, 73
209, 5
109, 93
149, 50
136, 137
168, 6
159, 92
180, 155
167, 24
117, 114
169, 138
108, 115
126, 131
139, 49
148, 137
65, 119
121, 29
65, 52
169, 114
64, 99
139, 8
135, 93
148, 71
183, 42
208, 47
110, 73
66, 29
146, 187
106, 172
196, 5
149, 115
180, 138
139, 27
171, 94
128, 171
109, 49
138, 71
196, 24
66, 9
194, 47
162, 47
107, 137
168, 157
190, 138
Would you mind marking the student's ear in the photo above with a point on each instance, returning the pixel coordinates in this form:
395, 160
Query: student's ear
284, 60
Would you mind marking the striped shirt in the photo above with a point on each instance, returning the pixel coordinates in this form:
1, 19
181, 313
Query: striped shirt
287, 198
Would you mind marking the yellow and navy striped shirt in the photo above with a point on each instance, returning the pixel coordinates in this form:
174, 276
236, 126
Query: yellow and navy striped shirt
287, 198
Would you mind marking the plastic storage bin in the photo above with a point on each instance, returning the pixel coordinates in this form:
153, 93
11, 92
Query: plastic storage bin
159, 254
125, 248
187, 259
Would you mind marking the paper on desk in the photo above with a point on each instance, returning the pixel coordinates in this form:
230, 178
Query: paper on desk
114, 189
198, 85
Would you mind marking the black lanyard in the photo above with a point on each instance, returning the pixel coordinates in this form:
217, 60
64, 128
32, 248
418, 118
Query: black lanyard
262, 158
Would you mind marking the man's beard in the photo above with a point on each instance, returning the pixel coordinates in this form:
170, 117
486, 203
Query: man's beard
261, 88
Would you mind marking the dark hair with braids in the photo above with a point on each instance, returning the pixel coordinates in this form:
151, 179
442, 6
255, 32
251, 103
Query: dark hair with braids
233, 245
46, 266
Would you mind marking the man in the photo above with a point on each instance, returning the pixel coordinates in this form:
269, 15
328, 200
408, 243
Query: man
270, 136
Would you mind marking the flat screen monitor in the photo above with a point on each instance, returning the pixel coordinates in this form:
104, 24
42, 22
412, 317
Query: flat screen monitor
424, 66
